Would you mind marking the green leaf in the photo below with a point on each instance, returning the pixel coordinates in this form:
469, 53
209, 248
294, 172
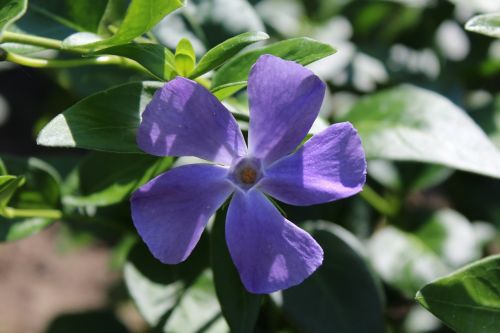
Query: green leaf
10, 11
486, 24
302, 50
141, 16
16, 229
332, 299
105, 121
8, 186
3, 169
218, 55
239, 307
414, 124
467, 300
105, 179
154, 57
174, 298
79, 15
42, 183
226, 90
403, 260
185, 58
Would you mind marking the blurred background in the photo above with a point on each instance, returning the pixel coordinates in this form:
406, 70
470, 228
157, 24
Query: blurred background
68, 278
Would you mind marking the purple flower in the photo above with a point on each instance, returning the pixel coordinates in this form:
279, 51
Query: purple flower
184, 119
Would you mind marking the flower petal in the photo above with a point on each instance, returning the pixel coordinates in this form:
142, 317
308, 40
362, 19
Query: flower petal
171, 211
285, 99
270, 252
185, 119
330, 166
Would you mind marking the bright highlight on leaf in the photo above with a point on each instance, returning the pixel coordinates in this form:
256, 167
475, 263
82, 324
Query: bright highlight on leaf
486, 24
467, 300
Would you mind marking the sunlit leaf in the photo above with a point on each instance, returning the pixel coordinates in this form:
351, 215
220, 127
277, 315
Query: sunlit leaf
302, 50
486, 24
218, 55
105, 121
467, 300
407, 123
185, 57
141, 16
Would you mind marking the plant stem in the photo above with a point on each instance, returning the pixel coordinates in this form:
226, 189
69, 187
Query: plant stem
14, 37
377, 201
12, 213
50, 63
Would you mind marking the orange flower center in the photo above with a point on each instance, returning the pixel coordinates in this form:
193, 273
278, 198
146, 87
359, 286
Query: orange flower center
248, 175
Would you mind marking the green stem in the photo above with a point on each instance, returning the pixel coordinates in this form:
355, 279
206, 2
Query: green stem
56, 63
12, 213
376, 201
14, 37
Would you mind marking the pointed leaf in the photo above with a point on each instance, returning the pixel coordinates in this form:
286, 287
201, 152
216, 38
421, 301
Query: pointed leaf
218, 55
467, 300
486, 24
105, 121
407, 123
141, 16
185, 58
302, 50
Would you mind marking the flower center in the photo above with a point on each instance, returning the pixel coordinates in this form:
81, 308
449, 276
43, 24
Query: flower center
248, 176
246, 172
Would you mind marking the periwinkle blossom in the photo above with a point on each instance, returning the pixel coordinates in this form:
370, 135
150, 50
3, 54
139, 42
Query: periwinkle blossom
184, 119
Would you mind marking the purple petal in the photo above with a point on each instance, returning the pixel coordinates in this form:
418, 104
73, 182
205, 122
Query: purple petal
330, 166
285, 99
270, 252
171, 211
185, 119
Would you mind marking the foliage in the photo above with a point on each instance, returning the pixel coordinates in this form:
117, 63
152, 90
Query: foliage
417, 79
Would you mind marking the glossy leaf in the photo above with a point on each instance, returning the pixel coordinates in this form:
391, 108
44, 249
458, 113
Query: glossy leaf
239, 307
227, 90
105, 121
218, 55
342, 289
414, 124
486, 24
302, 50
106, 179
10, 11
467, 300
141, 16
156, 58
16, 229
185, 58
174, 298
